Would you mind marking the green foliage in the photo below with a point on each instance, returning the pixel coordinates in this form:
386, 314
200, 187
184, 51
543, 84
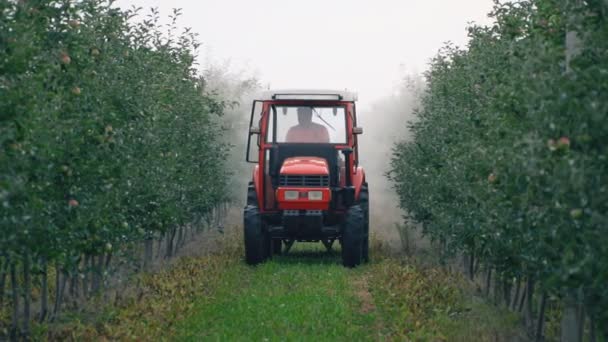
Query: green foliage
106, 137
508, 161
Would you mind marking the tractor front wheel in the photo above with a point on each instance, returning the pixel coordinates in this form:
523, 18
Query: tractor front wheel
277, 246
256, 241
353, 237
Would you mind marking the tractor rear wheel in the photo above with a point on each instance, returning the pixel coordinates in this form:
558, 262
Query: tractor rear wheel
352, 236
256, 242
364, 202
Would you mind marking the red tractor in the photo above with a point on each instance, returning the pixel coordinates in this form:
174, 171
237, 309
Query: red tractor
307, 183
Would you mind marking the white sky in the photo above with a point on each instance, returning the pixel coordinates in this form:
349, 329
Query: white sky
362, 45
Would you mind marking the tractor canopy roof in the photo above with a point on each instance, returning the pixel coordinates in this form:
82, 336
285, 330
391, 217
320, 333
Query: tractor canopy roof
308, 94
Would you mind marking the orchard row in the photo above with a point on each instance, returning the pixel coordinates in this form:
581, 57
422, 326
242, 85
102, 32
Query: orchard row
107, 139
508, 163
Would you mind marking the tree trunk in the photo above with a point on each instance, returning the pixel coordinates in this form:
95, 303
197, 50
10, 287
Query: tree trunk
180, 238
170, 239
61, 281
160, 245
148, 254
522, 300
15, 298
97, 273
488, 281
107, 262
573, 319
516, 296
216, 216
44, 292
541, 318
27, 295
86, 280
529, 299
592, 332
472, 266
476, 267
3, 272
507, 284
497, 283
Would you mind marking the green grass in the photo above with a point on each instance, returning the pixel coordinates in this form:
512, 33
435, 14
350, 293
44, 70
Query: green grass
306, 295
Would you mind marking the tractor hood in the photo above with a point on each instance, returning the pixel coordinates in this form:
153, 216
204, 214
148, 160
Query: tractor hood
305, 166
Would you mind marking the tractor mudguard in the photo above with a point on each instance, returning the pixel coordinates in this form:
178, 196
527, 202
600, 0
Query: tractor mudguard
256, 185
358, 181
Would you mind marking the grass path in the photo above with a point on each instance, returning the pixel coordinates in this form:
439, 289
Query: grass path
305, 295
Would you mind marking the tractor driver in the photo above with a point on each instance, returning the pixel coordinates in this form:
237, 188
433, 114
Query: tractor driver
307, 131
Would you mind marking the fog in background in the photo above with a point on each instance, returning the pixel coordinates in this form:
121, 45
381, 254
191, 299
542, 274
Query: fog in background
378, 48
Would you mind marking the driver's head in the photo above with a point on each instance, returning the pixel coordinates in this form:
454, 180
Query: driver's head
304, 115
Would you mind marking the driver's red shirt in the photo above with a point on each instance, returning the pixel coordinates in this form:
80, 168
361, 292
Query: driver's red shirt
311, 133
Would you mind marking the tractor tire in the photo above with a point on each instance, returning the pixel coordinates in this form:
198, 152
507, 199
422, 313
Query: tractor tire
256, 242
352, 237
364, 203
277, 246
252, 196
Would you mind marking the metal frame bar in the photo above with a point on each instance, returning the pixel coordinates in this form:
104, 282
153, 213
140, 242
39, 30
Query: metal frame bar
247, 158
339, 97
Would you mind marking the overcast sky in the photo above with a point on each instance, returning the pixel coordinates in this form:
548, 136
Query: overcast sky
362, 45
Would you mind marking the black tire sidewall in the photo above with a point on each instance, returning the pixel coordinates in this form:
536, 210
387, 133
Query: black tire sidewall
353, 236
256, 245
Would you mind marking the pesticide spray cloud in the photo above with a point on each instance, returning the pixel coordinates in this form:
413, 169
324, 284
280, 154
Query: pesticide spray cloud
385, 122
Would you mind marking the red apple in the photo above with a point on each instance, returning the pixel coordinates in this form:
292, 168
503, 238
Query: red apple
563, 142
65, 58
492, 178
74, 23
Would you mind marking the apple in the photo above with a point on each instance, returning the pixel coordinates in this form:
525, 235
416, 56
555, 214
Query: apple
74, 23
73, 203
563, 142
76, 91
492, 178
95, 52
576, 213
65, 58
